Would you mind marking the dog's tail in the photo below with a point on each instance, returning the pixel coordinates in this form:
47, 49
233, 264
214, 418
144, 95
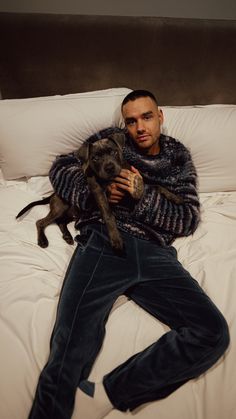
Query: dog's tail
43, 201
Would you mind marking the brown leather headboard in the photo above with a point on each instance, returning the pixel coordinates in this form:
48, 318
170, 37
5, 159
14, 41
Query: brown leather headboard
183, 61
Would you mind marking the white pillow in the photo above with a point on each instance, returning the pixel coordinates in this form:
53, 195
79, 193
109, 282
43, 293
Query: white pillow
210, 134
34, 131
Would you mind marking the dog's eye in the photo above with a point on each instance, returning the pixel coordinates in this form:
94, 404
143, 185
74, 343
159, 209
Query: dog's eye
94, 158
114, 153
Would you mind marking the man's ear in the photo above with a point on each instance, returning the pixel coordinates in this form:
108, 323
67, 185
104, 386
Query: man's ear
83, 154
118, 138
161, 116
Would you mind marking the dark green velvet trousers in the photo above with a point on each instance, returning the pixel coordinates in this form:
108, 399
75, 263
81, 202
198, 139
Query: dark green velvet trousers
151, 276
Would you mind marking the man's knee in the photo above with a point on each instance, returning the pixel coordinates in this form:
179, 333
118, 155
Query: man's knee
223, 337
217, 336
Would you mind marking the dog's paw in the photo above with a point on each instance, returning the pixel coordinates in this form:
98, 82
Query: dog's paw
179, 200
43, 242
176, 198
117, 242
68, 239
169, 195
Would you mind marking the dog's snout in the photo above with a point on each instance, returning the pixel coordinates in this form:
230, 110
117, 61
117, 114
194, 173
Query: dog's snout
109, 168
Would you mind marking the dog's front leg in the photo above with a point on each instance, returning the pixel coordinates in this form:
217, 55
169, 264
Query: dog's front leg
107, 215
170, 195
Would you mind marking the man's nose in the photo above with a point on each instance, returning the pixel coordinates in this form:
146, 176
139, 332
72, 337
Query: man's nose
140, 127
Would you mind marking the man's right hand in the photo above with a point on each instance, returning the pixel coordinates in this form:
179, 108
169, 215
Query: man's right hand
114, 194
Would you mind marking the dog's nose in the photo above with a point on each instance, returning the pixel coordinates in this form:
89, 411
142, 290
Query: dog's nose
109, 168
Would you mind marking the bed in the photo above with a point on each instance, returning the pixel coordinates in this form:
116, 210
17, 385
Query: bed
63, 77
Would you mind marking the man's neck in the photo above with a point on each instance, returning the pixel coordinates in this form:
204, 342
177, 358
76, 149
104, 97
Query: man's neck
154, 150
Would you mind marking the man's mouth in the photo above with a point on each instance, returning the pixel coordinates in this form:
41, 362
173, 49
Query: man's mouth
142, 138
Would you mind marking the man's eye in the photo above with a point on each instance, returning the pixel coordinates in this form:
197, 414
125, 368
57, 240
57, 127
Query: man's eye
147, 117
130, 123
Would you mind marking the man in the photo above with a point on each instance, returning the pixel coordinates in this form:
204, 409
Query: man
148, 272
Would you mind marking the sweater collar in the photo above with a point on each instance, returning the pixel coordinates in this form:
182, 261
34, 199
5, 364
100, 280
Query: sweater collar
150, 166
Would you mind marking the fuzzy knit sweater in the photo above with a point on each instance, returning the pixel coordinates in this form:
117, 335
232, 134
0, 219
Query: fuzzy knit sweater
153, 217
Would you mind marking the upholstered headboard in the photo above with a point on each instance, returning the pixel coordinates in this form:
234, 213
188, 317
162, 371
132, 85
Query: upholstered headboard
183, 61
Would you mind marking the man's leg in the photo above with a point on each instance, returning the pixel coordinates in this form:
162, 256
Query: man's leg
198, 335
92, 284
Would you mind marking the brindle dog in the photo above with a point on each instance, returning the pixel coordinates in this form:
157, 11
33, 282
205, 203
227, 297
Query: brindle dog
101, 161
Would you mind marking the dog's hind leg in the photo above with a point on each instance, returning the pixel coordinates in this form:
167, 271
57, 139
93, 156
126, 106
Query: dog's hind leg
41, 225
57, 209
65, 232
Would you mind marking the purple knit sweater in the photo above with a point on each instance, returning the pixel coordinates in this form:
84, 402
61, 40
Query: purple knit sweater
153, 217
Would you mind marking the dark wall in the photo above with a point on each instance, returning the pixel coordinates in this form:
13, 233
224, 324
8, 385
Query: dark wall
183, 61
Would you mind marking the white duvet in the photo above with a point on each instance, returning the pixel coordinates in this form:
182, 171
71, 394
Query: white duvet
30, 282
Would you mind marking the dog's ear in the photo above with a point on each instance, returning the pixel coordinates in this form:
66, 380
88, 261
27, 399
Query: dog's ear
83, 154
118, 138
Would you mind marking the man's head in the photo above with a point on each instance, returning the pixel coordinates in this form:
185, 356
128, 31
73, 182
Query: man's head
143, 120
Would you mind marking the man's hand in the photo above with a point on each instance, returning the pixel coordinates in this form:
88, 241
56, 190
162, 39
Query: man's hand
129, 181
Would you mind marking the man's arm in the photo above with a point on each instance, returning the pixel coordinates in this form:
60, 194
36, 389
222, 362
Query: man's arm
155, 209
68, 180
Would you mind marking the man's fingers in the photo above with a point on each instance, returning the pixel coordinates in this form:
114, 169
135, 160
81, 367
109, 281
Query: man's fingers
124, 187
114, 193
135, 186
128, 181
113, 201
124, 173
117, 194
134, 170
114, 189
122, 181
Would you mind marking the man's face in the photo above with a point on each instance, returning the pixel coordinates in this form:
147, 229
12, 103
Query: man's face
143, 121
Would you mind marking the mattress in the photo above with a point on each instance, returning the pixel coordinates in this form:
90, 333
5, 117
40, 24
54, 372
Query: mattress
30, 283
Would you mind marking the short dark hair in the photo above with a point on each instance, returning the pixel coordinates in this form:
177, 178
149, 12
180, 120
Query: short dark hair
136, 94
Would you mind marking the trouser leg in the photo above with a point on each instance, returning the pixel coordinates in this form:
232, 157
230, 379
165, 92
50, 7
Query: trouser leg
91, 286
198, 334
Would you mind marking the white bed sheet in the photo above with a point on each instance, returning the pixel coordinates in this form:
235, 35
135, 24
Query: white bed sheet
30, 282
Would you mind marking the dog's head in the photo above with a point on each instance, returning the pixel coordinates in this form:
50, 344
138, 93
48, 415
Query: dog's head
104, 157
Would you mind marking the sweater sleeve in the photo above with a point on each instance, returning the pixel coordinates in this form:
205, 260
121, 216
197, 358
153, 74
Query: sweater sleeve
155, 210
67, 177
68, 180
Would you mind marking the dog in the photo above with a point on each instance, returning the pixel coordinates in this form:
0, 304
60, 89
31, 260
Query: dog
101, 162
